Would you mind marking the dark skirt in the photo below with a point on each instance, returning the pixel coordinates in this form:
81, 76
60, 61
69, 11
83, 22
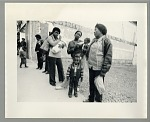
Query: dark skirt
23, 60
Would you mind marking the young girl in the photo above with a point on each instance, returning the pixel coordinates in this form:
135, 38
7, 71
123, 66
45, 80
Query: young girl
23, 57
74, 73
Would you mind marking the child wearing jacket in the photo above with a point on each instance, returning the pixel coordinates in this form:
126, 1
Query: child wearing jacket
74, 73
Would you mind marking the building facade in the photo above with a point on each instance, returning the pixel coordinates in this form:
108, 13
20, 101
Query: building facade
123, 36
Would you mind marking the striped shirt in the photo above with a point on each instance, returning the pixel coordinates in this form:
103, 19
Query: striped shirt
75, 71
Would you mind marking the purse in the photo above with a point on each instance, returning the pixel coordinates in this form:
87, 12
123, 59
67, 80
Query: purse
99, 84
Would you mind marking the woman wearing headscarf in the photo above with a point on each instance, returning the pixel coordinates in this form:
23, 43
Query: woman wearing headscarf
55, 57
99, 58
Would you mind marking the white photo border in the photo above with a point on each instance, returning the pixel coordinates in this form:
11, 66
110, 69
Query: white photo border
25, 11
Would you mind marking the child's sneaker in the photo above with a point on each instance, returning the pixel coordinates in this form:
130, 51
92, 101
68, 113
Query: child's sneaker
76, 94
59, 87
78, 89
70, 95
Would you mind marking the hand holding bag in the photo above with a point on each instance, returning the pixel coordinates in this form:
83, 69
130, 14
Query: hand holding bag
58, 47
99, 84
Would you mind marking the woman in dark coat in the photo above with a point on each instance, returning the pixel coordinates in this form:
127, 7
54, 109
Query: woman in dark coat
39, 51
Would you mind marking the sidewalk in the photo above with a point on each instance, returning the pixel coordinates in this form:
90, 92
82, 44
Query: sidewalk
33, 86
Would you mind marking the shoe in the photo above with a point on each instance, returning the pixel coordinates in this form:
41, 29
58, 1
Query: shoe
53, 84
43, 71
70, 96
87, 100
76, 94
46, 72
26, 66
59, 87
37, 68
20, 67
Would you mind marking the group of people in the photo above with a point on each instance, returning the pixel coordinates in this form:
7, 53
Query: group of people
97, 53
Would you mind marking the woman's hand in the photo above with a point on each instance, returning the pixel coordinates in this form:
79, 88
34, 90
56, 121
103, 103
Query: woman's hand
99, 76
60, 37
60, 45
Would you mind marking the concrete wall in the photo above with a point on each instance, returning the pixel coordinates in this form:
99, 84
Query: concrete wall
124, 50
33, 28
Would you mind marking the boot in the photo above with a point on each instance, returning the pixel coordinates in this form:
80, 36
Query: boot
20, 65
70, 92
26, 66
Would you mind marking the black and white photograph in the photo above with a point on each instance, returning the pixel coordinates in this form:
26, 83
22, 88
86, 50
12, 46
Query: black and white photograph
75, 57
47, 76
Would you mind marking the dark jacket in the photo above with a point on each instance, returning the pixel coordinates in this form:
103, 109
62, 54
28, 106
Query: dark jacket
23, 44
71, 74
38, 46
107, 51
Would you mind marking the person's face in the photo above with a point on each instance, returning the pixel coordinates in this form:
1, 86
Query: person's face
77, 35
56, 33
77, 58
97, 33
37, 39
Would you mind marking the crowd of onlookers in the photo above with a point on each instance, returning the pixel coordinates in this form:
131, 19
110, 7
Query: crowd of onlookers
97, 53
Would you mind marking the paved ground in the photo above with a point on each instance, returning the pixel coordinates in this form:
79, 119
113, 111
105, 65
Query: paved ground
120, 84
33, 86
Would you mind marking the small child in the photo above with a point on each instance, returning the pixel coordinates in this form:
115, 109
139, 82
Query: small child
74, 73
23, 57
85, 47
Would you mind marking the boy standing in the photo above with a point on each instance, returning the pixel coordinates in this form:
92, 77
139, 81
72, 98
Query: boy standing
74, 73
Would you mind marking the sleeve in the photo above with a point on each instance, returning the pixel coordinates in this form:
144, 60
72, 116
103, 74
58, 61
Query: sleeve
36, 47
107, 58
44, 47
70, 48
52, 42
68, 72
82, 74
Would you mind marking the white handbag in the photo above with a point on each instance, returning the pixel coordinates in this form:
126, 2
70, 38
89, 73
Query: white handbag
99, 84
